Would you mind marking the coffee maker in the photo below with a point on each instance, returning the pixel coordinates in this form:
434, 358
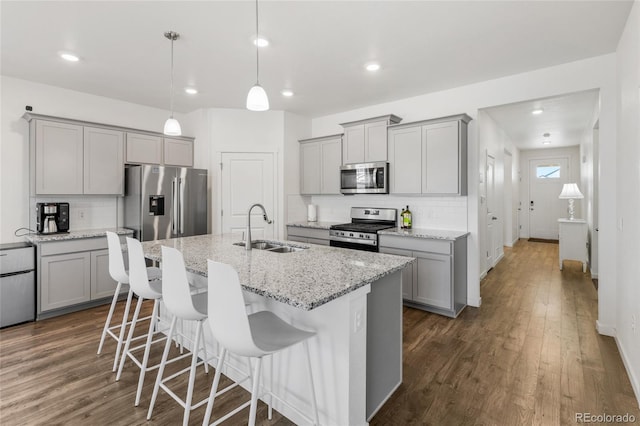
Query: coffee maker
52, 218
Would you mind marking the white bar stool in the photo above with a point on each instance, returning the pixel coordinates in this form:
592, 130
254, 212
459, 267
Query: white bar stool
140, 285
254, 336
119, 274
182, 305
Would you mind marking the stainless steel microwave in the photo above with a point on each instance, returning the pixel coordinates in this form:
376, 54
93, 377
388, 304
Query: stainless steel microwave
365, 178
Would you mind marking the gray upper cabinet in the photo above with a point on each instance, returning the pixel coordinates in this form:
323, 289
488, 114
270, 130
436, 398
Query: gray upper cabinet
365, 141
58, 157
178, 152
429, 157
143, 149
320, 160
103, 161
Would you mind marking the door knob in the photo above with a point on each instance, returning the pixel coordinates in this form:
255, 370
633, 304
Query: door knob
494, 218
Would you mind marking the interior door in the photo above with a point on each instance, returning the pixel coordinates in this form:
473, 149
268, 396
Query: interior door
246, 179
546, 178
492, 216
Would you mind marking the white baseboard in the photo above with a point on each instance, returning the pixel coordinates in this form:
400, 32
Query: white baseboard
594, 275
605, 329
483, 275
476, 303
515, 240
499, 259
635, 383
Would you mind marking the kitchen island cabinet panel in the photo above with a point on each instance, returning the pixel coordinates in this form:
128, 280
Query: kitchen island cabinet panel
103, 161
58, 158
65, 280
143, 149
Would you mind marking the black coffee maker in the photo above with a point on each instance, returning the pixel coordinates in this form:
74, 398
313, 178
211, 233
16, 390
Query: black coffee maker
52, 218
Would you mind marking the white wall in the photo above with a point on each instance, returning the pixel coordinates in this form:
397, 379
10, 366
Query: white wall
593, 73
98, 211
573, 155
295, 128
628, 198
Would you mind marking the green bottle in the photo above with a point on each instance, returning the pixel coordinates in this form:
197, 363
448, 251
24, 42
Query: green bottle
406, 218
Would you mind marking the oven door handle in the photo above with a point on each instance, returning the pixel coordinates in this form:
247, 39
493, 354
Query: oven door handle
354, 241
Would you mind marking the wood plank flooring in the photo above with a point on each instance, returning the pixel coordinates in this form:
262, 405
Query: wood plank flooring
529, 356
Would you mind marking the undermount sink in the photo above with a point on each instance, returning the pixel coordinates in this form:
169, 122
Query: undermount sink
271, 246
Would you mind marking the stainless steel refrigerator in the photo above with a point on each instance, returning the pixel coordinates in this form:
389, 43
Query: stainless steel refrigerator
165, 202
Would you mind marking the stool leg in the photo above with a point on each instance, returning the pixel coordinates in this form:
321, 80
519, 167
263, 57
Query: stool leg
254, 393
163, 363
109, 315
270, 411
204, 351
147, 349
314, 404
214, 387
129, 337
192, 375
123, 327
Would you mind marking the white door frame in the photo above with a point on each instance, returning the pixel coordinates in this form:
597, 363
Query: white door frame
217, 217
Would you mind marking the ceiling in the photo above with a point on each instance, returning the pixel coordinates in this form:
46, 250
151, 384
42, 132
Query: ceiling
565, 118
318, 48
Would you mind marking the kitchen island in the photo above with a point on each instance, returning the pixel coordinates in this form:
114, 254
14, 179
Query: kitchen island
352, 299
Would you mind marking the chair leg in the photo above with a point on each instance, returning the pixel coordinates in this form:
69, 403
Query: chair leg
254, 393
204, 351
163, 363
129, 337
214, 387
192, 375
107, 323
314, 404
123, 327
147, 349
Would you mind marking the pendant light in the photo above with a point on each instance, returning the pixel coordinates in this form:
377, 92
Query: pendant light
257, 99
171, 126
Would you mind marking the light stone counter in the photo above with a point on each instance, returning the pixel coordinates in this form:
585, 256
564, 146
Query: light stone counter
435, 234
313, 225
74, 235
304, 279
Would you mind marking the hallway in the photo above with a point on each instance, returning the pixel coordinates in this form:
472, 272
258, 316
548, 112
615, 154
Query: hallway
529, 356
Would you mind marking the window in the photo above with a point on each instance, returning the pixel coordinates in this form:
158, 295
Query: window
549, 171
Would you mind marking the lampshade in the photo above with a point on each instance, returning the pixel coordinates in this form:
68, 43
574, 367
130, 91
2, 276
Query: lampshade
570, 190
257, 99
172, 127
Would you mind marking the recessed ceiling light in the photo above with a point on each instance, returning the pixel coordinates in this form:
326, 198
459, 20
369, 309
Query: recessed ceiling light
537, 111
261, 41
191, 90
373, 67
69, 57
286, 92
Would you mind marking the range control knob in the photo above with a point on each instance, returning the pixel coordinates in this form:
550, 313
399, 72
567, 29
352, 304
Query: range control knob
350, 234
368, 236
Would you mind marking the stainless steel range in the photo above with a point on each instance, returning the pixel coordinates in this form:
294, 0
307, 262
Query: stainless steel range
362, 232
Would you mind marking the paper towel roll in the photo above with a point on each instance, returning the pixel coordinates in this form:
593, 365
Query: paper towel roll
312, 215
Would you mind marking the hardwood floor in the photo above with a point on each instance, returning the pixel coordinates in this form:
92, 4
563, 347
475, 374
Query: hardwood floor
529, 356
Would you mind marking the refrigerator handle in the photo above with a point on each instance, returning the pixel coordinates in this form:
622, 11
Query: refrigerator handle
174, 202
181, 204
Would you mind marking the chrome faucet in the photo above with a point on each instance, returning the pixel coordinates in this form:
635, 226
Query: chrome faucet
247, 242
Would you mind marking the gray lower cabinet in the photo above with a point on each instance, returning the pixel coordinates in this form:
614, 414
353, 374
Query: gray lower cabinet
308, 235
73, 274
437, 281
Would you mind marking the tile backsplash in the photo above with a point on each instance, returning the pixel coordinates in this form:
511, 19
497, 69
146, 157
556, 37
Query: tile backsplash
427, 212
87, 212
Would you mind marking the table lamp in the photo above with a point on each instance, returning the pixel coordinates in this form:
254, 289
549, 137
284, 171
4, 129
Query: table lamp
570, 192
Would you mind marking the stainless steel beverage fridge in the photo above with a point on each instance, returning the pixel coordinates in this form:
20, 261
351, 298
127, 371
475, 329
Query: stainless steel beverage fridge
165, 202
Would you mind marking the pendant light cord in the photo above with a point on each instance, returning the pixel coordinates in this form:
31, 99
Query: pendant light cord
171, 94
257, 48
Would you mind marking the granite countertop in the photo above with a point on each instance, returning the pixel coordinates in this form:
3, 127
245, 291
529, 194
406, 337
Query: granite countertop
305, 279
314, 225
434, 234
74, 235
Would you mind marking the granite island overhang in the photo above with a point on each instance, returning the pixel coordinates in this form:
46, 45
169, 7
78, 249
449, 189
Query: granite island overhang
351, 298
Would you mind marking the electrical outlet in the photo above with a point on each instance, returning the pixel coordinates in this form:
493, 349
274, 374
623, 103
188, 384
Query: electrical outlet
357, 321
